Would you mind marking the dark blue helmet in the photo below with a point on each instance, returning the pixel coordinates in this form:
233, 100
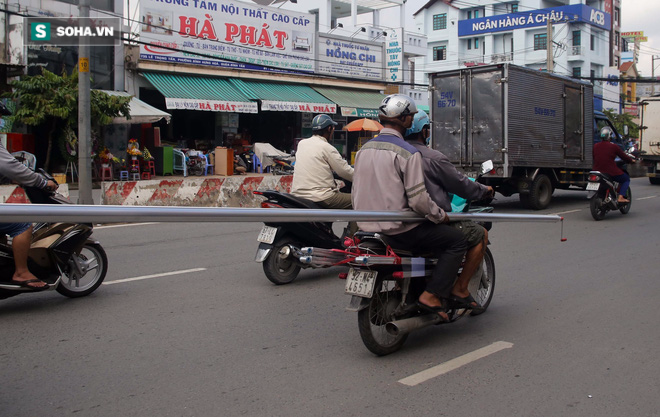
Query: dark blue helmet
321, 121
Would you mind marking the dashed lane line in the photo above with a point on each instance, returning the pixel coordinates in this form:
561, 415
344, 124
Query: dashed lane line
453, 364
164, 274
123, 225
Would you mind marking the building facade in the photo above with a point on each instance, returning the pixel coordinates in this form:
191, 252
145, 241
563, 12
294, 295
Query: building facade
584, 35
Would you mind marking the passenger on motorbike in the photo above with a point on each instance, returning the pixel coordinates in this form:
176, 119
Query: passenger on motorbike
12, 169
316, 159
389, 175
442, 178
605, 153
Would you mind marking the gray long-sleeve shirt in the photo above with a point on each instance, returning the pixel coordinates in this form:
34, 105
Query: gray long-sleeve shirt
442, 178
389, 176
12, 169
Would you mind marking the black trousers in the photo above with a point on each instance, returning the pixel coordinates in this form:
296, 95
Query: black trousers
445, 242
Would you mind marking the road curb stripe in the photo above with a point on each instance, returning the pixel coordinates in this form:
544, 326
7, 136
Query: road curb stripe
456, 363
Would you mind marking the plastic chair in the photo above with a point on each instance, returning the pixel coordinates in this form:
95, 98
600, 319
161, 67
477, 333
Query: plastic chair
256, 165
179, 163
26, 158
146, 175
150, 167
106, 172
123, 175
207, 166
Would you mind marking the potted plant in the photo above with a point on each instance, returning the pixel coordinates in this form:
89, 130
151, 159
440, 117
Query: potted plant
133, 149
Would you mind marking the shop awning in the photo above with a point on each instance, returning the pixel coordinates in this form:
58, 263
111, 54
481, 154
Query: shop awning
353, 103
285, 97
190, 92
140, 112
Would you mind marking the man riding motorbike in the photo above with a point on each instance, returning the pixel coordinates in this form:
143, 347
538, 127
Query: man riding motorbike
11, 168
389, 175
605, 153
442, 178
316, 159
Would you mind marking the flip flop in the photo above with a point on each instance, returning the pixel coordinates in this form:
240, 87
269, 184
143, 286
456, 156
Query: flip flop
434, 309
24, 284
466, 302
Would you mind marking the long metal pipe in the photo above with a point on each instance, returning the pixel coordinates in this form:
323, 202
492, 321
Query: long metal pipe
134, 214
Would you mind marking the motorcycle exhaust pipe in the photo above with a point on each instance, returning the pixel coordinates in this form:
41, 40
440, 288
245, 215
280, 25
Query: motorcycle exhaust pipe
404, 326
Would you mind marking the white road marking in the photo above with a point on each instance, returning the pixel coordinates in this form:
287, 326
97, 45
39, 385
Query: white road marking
164, 274
456, 363
646, 198
123, 225
566, 212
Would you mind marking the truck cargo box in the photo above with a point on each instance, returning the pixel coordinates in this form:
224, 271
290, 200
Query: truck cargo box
529, 123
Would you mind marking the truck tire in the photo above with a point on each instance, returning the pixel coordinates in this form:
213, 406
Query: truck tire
540, 192
654, 181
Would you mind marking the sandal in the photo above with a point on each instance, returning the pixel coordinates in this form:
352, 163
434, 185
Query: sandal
468, 303
439, 310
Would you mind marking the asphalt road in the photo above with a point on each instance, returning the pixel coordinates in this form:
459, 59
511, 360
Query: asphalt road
578, 318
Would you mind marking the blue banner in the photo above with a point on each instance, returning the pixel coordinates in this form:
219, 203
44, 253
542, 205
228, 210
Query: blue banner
534, 18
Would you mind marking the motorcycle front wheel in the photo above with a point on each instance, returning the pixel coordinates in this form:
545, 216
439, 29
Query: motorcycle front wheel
482, 285
281, 269
93, 262
372, 319
597, 208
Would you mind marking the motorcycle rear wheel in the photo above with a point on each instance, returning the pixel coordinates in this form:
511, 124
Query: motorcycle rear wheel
372, 319
281, 271
94, 262
482, 286
597, 208
624, 209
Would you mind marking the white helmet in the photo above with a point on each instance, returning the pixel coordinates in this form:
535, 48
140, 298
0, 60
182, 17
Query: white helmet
395, 106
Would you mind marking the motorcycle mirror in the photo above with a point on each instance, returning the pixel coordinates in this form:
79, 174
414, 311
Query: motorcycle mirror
625, 130
487, 166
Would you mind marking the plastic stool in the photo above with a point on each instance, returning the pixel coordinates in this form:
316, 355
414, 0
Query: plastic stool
106, 173
135, 176
123, 175
146, 175
150, 167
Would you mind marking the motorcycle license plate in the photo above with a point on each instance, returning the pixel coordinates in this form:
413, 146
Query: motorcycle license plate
593, 186
267, 234
360, 283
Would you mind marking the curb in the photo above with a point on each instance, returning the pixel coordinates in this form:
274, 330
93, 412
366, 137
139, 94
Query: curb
231, 191
14, 194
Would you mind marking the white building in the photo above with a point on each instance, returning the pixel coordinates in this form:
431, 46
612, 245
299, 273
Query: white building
585, 35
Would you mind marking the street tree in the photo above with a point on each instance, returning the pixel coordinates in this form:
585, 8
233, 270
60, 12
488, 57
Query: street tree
620, 120
52, 100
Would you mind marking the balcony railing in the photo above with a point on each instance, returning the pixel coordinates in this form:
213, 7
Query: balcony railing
507, 56
577, 50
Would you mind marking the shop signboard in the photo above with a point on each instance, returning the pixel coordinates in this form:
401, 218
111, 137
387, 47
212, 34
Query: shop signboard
210, 105
535, 18
355, 112
394, 55
340, 56
611, 89
227, 34
269, 105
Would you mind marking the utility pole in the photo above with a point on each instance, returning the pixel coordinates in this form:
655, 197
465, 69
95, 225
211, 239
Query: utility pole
549, 48
84, 122
653, 58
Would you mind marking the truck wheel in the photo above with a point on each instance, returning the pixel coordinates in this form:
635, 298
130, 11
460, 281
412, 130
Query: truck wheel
540, 193
654, 181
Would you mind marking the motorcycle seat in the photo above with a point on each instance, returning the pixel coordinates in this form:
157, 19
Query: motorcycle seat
286, 198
